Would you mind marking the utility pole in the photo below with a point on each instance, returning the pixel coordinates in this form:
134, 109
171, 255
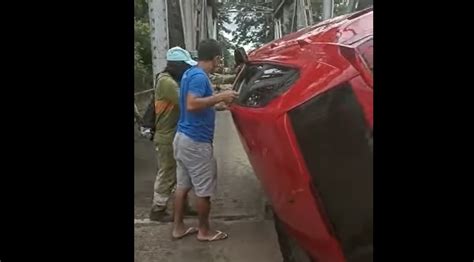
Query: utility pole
158, 13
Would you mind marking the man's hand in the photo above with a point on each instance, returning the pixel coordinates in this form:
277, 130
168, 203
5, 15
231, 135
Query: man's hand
221, 106
227, 96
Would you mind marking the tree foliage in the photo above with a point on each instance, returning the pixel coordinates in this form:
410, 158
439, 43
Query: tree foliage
223, 19
142, 39
143, 75
254, 23
253, 20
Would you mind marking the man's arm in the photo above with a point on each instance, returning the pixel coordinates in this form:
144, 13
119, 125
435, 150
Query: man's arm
195, 103
195, 100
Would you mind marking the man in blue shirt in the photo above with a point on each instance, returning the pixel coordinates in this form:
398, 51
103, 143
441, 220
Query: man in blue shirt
193, 150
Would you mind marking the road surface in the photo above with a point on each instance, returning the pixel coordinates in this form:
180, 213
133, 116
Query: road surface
238, 209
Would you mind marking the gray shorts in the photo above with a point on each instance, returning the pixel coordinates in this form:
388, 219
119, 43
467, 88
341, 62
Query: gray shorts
196, 166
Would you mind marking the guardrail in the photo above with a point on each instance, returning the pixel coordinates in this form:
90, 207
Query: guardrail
144, 92
142, 98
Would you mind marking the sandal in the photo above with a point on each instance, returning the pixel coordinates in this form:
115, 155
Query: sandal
219, 236
189, 231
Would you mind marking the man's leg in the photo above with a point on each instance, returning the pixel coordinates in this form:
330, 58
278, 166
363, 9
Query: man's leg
203, 208
164, 183
201, 168
204, 180
179, 203
188, 210
205, 184
205, 232
180, 198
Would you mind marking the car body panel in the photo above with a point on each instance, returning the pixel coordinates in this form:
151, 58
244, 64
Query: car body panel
326, 56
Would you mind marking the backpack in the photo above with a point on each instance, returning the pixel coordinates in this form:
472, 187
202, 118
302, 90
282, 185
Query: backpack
149, 117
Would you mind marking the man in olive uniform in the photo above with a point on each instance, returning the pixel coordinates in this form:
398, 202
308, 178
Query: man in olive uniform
167, 115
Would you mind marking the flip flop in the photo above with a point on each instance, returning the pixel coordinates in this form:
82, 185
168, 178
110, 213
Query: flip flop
219, 236
189, 231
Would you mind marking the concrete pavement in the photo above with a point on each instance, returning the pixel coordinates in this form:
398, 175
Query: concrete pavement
238, 209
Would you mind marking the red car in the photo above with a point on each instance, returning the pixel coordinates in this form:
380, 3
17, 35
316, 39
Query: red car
304, 115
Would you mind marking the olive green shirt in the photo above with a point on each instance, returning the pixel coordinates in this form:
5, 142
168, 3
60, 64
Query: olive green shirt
166, 109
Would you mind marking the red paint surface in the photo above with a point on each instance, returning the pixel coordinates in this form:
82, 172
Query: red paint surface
267, 135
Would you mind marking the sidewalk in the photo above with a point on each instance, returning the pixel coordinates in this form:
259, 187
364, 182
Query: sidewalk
248, 241
238, 209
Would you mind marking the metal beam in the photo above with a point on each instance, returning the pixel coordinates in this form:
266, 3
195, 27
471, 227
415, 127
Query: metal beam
188, 16
301, 21
279, 7
308, 12
327, 9
203, 21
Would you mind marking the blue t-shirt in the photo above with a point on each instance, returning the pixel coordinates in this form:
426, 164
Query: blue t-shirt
198, 125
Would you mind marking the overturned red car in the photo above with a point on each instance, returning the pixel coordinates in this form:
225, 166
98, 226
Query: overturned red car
304, 115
